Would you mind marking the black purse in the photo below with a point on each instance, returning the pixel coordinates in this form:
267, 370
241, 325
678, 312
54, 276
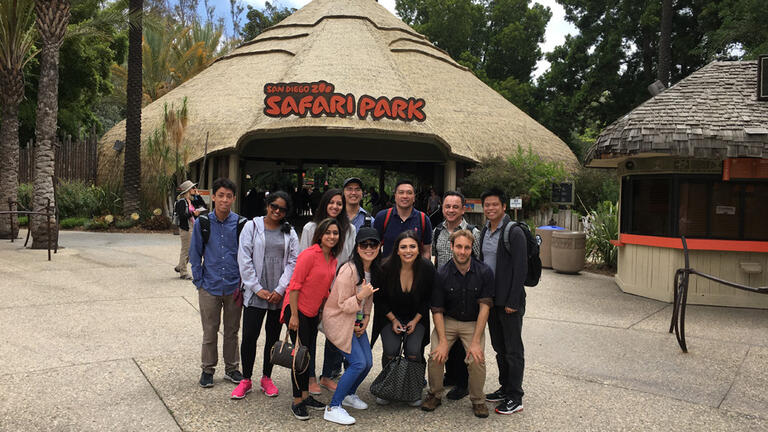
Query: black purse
401, 380
285, 354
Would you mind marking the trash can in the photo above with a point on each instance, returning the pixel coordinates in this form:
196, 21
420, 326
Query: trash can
544, 238
568, 251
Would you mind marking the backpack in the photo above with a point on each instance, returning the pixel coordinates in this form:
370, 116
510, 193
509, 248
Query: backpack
532, 246
205, 228
389, 214
436, 232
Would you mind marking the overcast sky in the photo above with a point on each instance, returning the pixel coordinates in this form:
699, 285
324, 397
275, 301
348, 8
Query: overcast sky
555, 35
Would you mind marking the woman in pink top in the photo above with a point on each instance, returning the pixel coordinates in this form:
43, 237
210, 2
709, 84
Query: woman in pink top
345, 320
308, 289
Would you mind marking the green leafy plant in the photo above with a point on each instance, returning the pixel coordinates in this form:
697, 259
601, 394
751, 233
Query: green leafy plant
602, 226
78, 199
125, 223
73, 222
23, 221
523, 173
25, 193
593, 186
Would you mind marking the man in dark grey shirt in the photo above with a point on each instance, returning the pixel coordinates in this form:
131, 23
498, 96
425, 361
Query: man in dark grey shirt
508, 259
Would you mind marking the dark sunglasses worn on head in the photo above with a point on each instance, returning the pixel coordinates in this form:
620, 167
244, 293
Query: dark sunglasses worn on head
276, 207
368, 244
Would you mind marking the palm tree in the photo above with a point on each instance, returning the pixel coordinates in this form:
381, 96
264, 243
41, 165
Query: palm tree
132, 166
52, 20
17, 38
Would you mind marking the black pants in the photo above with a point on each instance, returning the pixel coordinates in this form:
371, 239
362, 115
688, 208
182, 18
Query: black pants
308, 335
391, 342
506, 338
455, 368
253, 318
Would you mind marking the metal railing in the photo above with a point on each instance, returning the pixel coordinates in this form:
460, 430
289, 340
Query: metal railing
682, 276
49, 213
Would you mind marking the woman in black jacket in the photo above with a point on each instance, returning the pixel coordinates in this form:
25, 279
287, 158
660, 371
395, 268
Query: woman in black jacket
186, 209
401, 306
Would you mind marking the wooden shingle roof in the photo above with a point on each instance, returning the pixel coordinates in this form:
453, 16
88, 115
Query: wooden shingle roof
712, 113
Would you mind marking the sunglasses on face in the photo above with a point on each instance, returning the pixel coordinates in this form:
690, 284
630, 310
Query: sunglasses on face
277, 208
369, 244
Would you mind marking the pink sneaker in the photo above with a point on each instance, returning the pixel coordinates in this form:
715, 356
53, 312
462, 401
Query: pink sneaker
268, 387
242, 389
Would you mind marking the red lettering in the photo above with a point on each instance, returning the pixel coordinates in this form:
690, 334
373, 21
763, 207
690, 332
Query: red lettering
382, 109
289, 106
398, 108
271, 108
350, 104
305, 104
366, 104
320, 106
414, 109
337, 104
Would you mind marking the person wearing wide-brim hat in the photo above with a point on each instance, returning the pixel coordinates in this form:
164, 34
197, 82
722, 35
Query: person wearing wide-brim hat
188, 207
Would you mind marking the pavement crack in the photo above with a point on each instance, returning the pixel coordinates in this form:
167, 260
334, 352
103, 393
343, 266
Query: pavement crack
663, 307
190, 303
735, 377
167, 408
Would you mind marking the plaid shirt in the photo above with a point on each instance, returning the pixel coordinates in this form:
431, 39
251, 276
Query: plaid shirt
442, 246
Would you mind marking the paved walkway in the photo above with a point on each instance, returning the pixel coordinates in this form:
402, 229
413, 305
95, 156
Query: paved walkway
105, 337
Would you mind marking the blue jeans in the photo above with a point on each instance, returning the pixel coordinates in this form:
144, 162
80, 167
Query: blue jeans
360, 362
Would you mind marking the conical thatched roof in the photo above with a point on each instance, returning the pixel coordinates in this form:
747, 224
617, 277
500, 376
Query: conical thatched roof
361, 48
712, 113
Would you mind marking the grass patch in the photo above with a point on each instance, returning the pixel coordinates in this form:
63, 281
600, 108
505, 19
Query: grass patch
73, 222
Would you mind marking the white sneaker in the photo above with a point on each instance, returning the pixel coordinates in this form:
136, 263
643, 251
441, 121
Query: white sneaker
338, 415
416, 403
355, 402
381, 401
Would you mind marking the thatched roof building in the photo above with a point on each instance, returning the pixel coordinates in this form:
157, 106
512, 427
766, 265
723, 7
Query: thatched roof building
712, 113
361, 49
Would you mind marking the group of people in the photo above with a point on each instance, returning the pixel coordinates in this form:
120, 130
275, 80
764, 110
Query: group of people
349, 271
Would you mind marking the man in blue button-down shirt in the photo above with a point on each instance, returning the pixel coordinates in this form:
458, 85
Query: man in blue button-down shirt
216, 275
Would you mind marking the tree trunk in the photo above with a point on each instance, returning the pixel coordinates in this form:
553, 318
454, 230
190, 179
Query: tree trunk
9, 166
132, 165
665, 43
52, 20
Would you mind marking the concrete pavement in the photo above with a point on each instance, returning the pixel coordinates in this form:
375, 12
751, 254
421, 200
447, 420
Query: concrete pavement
105, 337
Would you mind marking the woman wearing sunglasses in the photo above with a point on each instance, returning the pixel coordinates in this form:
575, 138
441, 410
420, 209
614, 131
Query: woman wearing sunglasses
345, 320
266, 256
332, 205
309, 287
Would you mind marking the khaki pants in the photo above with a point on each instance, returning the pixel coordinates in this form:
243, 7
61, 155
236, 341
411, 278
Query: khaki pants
210, 315
464, 331
185, 237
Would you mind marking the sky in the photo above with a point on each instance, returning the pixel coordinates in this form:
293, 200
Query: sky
557, 28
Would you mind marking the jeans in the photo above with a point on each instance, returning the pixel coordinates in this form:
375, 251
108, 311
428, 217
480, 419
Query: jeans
506, 338
360, 362
332, 360
308, 335
390, 343
253, 318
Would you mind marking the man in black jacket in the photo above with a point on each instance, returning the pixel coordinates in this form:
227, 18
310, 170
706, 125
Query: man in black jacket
508, 258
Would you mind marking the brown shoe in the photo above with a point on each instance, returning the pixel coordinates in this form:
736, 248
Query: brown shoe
480, 410
431, 402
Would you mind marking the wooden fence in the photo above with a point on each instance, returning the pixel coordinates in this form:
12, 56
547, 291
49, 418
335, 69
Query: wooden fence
76, 159
567, 219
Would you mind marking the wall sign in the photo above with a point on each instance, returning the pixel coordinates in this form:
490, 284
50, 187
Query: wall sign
318, 99
562, 193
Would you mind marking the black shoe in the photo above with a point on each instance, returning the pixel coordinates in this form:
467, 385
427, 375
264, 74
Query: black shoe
509, 406
206, 380
300, 411
235, 376
457, 393
496, 396
313, 403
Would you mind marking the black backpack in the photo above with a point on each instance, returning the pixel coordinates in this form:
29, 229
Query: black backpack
205, 228
534, 261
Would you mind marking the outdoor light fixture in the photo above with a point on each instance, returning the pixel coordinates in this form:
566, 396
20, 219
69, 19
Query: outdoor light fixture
656, 88
118, 145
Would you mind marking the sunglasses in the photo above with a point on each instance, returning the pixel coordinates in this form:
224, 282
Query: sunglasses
368, 244
277, 208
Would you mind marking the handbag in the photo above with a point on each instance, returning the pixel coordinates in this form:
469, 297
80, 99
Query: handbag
401, 380
285, 354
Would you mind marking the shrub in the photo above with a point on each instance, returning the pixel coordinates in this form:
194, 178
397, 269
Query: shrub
524, 174
73, 222
78, 199
96, 224
23, 221
157, 223
25, 193
602, 226
125, 223
593, 186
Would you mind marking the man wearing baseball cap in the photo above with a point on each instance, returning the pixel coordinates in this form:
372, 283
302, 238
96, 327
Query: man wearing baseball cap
353, 194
